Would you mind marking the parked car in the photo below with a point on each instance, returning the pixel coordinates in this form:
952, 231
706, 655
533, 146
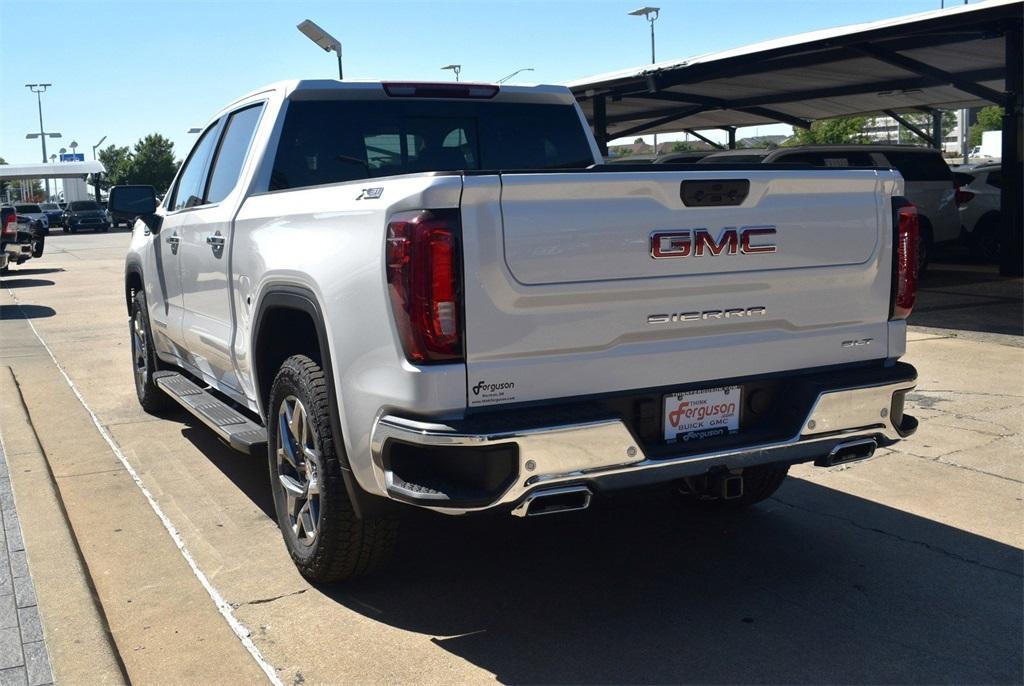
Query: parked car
928, 180
33, 212
34, 224
85, 214
979, 199
16, 238
373, 286
54, 213
683, 157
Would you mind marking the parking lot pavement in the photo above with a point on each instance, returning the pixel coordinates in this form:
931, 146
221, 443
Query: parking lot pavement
904, 568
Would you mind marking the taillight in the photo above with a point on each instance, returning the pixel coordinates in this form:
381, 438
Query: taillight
10, 227
422, 258
905, 258
963, 197
440, 90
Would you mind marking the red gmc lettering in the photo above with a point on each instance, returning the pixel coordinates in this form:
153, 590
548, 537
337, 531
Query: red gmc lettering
700, 242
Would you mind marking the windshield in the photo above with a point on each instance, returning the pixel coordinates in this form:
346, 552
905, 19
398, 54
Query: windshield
49, 206
80, 205
329, 141
28, 209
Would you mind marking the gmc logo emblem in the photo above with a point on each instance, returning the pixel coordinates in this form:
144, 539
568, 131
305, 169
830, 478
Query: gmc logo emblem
699, 242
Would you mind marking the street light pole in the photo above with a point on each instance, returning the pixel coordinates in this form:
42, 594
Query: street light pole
651, 14
324, 40
517, 71
39, 89
456, 68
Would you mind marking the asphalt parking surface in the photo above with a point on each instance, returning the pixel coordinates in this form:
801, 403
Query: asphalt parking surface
906, 568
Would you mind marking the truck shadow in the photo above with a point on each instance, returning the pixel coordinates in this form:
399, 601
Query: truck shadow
962, 296
811, 586
26, 311
24, 283
814, 586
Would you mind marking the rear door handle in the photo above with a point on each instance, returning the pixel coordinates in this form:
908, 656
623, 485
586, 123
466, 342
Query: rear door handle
174, 239
216, 240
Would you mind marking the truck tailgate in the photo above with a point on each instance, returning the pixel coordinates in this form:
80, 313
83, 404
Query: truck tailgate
586, 283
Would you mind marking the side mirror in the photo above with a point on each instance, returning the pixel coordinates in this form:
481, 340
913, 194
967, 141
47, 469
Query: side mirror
128, 202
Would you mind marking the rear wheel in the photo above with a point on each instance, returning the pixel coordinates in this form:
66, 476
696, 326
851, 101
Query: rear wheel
325, 538
759, 483
144, 361
37, 246
985, 238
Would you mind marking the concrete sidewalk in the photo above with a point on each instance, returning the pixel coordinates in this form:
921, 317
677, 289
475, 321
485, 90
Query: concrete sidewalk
23, 656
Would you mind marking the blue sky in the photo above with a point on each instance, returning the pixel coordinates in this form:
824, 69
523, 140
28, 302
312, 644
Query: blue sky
123, 69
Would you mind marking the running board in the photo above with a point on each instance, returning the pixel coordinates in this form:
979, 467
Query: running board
234, 428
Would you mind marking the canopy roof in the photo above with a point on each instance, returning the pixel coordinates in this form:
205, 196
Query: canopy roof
945, 59
63, 170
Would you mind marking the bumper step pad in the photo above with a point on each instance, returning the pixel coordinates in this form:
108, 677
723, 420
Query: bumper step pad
234, 428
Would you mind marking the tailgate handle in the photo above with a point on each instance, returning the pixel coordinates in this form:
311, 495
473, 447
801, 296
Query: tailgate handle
714, 192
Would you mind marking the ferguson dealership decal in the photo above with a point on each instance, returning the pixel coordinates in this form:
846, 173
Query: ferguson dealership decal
485, 391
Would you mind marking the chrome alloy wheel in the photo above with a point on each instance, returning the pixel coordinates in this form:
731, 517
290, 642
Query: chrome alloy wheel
298, 469
139, 352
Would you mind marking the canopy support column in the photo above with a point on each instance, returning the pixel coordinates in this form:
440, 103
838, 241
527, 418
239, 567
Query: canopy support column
1011, 258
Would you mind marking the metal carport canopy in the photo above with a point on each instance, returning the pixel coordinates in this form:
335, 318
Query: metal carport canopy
64, 170
944, 59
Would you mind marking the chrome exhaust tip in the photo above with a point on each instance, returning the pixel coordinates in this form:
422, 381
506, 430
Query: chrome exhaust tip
849, 451
553, 501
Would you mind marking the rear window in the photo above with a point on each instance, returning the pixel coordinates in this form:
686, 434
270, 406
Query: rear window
79, 205
28, 209
920, 166
329, 141
995, 178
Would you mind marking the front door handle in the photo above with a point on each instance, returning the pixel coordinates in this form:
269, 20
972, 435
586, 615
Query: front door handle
216, 240
174, 239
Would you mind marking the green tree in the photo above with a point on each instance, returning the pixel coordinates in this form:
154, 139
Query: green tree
638, 141
117, 161
682, 146
989, 119
831, 132
152, 163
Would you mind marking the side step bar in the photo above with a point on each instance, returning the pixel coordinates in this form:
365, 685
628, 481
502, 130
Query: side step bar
234, 428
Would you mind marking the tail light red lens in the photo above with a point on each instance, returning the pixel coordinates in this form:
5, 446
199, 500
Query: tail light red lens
905, 258
963, 197
422, 258
10, 227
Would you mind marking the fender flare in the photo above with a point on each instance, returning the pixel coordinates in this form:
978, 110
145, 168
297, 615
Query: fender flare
304, 300
132, 266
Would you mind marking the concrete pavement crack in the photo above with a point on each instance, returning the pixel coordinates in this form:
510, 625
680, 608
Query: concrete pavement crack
262, 601
928, 546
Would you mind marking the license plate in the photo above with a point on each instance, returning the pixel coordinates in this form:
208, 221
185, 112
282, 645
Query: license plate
701, 414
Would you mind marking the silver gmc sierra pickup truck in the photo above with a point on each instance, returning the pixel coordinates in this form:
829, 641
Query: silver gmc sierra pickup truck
436, 296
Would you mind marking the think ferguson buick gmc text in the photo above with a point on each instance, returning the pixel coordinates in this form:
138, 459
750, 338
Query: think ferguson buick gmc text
435, 296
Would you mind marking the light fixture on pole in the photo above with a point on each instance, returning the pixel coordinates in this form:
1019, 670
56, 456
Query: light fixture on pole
323, 39
39, 89
517, 71
651, 14
457, 68
96, 146
194, 130
74, 146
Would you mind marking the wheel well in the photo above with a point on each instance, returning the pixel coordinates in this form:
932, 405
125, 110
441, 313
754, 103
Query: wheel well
132, 284
990, 218
283, 332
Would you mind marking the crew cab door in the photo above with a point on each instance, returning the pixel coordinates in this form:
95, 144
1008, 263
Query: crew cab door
163, 261
206, 240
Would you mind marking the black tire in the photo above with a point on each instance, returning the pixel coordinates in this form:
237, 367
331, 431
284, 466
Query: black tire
144, 360
37, 246
759, 483
341, 546
73, 230
985, 238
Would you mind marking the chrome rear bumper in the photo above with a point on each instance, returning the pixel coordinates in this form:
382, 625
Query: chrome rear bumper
604, 452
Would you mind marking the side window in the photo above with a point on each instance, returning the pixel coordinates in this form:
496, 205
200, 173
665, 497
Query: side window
920, 166
234, 146
189, 190
995, 179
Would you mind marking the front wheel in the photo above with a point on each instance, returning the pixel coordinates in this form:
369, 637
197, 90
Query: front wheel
144, 361
325, 538
37, 247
